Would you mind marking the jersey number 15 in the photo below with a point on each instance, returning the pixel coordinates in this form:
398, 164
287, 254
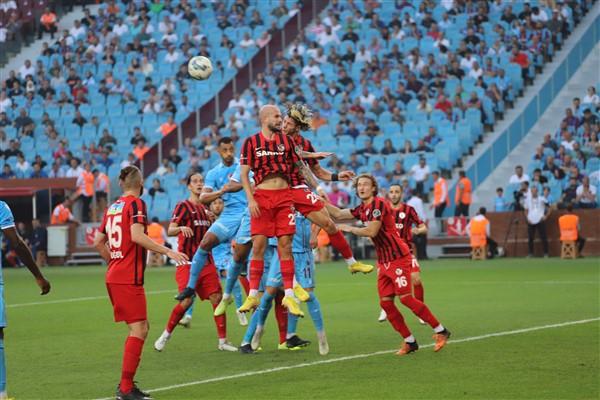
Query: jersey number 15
113, 229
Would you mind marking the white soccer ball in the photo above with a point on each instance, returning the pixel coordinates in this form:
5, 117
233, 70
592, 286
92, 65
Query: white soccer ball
200, 68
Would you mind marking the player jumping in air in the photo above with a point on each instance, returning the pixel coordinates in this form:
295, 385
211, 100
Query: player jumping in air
123, 228
189, 223
7, 225
394, 261
270, 155
299, 118
407, 217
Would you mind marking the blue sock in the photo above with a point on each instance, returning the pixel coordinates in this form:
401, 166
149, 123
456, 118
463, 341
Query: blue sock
314, 308
2, 368
190, 310
266, 302
292, 324
233, 273
197, 264
251, 329
237, 294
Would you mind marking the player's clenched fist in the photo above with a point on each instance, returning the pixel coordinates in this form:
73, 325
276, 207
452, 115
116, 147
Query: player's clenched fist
44, 285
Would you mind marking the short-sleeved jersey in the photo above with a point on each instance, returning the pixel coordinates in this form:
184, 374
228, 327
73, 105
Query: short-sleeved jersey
301, 144
219, 176
266, 157
194, 216
127, 259
301, 240
388, 244
406, 217
6, 221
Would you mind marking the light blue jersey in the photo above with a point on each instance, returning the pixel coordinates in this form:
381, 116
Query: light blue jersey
217, 177
6, 221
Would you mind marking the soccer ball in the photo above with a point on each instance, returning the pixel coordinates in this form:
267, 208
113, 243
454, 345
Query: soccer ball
200, 68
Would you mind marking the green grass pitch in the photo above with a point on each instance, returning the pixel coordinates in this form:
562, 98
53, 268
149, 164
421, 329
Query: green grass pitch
66, 345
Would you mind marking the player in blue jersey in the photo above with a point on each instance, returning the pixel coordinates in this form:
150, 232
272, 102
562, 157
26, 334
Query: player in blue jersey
304, 241
219, 185
7, 225
222, 256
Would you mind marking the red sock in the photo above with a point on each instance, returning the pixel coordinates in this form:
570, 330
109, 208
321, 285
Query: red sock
175, 317
287, 273
131, 360
395, 317
245, 284
256, 271
221, 323
281, 315
419, 292
420, 310
339, 242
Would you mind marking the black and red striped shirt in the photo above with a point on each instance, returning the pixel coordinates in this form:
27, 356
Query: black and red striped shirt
406, 216
301, 144
193, 216
127, 258
388, 244
266, 157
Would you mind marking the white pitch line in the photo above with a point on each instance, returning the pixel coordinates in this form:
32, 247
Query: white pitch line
364, 355
77, 299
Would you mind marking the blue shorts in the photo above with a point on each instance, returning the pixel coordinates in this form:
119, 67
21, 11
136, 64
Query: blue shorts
227, 225
2, 307
243, 234
304, 270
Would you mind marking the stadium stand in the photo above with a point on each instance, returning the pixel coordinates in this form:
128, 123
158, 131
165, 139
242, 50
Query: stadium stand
431, 79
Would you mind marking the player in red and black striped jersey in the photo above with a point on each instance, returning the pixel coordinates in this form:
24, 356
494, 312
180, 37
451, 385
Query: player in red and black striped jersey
408, 224
270, 155
393, 261
299, 118
189, 223
122, 242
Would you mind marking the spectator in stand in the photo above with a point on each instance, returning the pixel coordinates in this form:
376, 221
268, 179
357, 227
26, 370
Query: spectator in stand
462, 198
519, 176
106, 139
420, 173
586, 194
38, 172
156, 187
569, 194
338, 197
47, 23
422, 146
174, 158
140, 149
388, 147
537, 211
500, 203
22, 167
522, 59
130, 160
24, 124
39, 242
165, 168
7, 172
571, 120
168, 126
443, 104
591, 97
85, 185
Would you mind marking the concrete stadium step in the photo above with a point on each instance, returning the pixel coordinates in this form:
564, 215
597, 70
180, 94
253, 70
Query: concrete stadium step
85, 258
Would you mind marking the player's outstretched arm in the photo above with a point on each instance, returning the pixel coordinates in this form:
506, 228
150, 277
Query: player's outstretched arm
326, 175
24, 254
370, 231
139, 237
100, 245
339, 214
208, 195
310, 178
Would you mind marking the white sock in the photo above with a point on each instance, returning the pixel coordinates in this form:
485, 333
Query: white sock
253, 293
290, 335
289, 292
226, 296
295, 281
222, 340
410, 339
439, 328
166, 334
350, 260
